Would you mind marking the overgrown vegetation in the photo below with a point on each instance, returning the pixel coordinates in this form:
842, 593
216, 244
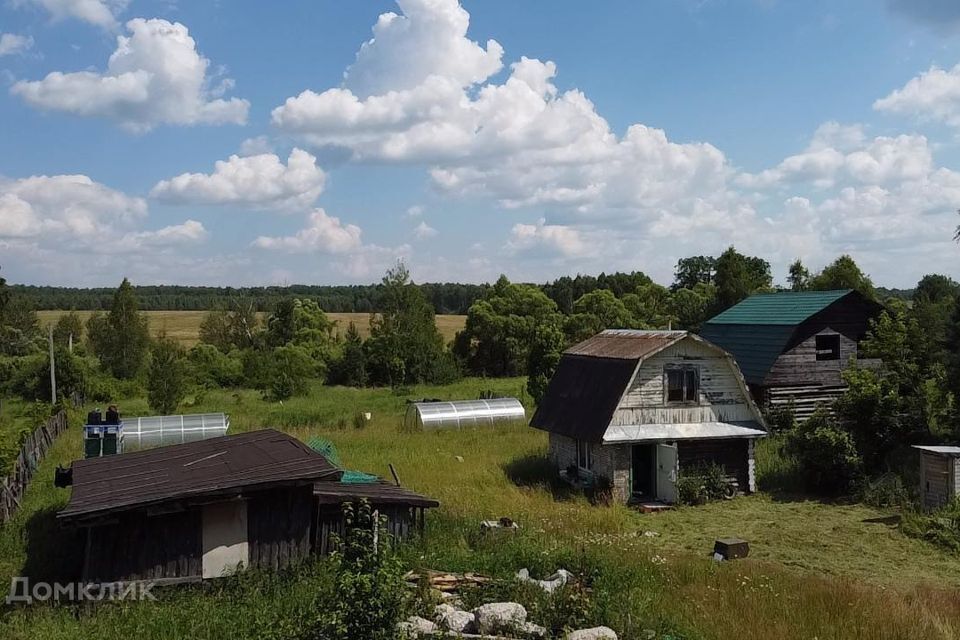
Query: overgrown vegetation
702, 483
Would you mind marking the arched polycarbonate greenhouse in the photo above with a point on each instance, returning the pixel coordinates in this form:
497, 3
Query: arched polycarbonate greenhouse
461, 414
158, 431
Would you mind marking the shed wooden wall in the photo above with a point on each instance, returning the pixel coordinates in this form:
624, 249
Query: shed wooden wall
140, 547
799, 365
401, 522
939, 479
279, 527
735, 455
721, 398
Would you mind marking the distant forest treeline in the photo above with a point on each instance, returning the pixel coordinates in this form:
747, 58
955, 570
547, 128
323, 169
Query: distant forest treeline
446, 298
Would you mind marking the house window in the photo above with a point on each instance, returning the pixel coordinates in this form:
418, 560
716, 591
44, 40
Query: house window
828, 347
584, 455
683, 384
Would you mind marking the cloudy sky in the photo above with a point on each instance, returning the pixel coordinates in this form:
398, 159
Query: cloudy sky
246, 142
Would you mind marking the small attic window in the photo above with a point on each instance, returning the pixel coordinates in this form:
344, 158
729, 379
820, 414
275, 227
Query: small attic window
828, 347
683, 384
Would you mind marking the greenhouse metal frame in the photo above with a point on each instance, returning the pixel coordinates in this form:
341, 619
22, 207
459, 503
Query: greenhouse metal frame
463, 413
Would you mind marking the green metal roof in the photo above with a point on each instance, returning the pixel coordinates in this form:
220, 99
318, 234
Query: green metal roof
785, 308
755, 347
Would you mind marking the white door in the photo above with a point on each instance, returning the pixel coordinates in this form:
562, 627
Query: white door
667, 473
225, 546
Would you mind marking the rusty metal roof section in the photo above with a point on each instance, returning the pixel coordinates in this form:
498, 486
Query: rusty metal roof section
222, 466
626, 344
377, 493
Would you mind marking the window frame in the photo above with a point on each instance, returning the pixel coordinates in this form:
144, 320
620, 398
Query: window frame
817, 348
584, 452
685, 371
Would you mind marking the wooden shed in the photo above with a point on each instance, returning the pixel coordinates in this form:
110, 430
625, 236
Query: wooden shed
404, 510
792, 346
939, 475
204, 509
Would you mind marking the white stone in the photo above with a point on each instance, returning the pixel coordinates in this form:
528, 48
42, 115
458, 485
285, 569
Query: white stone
417, 626
551, 584
499, 617
458, 621
596, 633
533, 630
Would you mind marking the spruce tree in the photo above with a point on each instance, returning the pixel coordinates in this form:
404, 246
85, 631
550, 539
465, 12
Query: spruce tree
166, 376
121, 339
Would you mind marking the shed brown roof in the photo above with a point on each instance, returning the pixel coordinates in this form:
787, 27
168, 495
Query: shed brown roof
625, 344
217, 466
376, 493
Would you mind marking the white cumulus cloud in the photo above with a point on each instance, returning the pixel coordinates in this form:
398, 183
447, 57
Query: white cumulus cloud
155, 76
75, 213
102, 13
12, 44
428, 38
932, 95
256, 181
423, 231
553, 237
323, 233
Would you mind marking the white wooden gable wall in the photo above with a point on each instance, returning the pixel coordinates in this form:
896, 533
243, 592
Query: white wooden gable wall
721, 398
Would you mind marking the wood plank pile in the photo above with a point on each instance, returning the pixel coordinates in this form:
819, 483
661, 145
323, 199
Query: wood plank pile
446, 582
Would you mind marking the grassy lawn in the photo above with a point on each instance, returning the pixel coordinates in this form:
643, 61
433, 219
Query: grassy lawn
816, 570
185, 325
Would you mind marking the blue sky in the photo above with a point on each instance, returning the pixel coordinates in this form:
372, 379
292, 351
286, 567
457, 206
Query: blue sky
317, 142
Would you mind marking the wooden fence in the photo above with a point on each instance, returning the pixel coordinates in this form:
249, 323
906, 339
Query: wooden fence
31, 453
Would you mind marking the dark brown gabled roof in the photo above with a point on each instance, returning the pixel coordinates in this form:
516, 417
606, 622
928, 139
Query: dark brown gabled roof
626, 344
582, 396
377, 493
206, 468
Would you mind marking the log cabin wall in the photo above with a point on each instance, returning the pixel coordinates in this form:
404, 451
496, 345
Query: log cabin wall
734, 455
799, 365
720, 397
137, 546
279, 527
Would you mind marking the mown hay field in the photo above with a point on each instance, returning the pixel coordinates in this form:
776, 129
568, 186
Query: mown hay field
816, 569
184, 326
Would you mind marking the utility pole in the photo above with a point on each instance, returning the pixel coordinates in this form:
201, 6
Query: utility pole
53, 369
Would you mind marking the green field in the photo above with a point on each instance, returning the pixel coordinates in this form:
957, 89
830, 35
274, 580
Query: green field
185, 325
816, 570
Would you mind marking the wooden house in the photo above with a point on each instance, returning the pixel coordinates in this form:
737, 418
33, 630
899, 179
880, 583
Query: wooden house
939, 475
642, 407
793, 346
199, 510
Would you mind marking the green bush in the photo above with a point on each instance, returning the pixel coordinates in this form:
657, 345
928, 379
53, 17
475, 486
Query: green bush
885, 492
166, 376
211, 367
780, 419
828, 457
369, 587
703, 483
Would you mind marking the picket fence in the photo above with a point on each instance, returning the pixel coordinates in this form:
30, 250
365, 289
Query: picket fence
31, 453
